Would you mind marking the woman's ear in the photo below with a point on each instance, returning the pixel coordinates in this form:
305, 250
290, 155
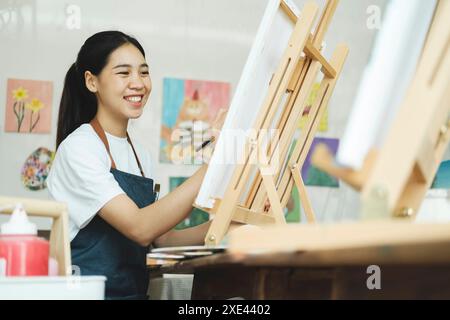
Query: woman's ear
91, 81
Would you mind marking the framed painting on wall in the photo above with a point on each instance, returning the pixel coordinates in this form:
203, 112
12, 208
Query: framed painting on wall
28, 106
189, 107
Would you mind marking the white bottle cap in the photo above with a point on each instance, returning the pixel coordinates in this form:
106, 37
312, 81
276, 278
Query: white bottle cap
18, 224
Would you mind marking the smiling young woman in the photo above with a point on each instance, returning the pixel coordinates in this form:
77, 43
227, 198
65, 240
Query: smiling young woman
104, 177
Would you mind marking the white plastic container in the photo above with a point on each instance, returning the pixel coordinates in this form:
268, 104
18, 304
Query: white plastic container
52, 288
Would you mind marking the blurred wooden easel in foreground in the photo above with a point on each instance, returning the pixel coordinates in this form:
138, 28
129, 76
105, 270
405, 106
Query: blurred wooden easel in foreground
394, 179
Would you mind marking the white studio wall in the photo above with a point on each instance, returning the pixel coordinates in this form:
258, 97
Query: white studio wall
186, 39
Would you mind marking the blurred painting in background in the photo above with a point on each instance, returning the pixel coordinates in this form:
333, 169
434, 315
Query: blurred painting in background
311, 175
189, 107
196, 217
442, 180
323, 124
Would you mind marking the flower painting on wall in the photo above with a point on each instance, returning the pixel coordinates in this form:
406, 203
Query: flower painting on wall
28, 106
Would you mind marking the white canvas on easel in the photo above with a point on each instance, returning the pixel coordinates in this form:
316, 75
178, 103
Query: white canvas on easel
269, 46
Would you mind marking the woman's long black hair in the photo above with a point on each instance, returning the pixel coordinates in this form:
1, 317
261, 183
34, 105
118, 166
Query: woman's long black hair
79, 105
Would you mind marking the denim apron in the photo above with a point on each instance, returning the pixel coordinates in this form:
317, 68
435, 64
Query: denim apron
99, 249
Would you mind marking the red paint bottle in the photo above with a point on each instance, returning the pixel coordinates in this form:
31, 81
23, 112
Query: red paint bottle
22, 252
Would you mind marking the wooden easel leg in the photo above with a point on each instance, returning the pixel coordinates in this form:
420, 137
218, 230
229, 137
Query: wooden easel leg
273, 198
59, 244
306, 204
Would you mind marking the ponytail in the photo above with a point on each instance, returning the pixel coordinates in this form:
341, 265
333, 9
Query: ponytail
78, 105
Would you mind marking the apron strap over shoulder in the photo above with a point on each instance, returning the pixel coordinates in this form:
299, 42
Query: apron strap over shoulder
135, 155
101, 134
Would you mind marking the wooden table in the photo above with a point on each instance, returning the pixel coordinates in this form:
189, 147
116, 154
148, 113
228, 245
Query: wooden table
420, 271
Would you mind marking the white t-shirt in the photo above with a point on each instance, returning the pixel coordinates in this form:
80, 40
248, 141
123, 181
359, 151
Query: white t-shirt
80, 175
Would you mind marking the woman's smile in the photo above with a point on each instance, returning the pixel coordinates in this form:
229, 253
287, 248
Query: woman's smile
135, 100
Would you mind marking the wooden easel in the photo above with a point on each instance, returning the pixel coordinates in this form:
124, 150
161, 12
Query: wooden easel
395, 179
295, 77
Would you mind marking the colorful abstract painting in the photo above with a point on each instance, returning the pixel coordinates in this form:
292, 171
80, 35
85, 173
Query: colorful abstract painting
323, 124
28, 106
189, 107
196, 217
311, 175
36, 169
442, 180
